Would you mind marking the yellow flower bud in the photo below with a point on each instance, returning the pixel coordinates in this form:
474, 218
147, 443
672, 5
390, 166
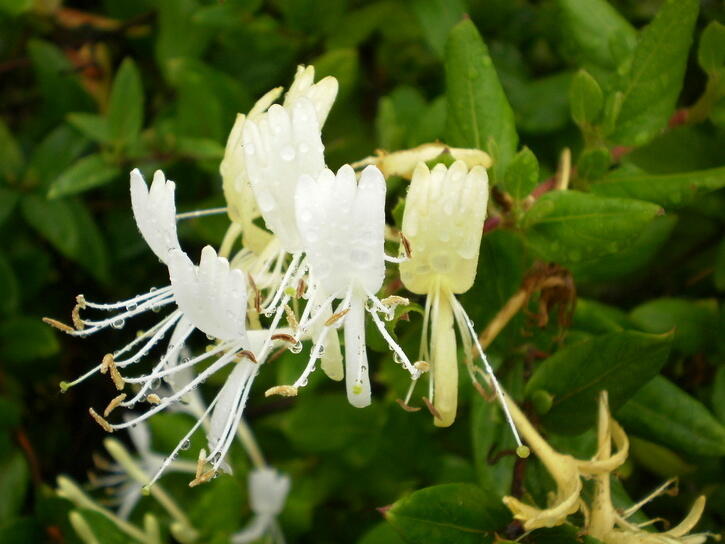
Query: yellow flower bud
443, 221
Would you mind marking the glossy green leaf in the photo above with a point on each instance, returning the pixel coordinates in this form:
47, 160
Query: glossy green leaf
23, 339
69, 227
593, 163
665, 414
591, 27
125, 108
599, 318
658, 459
521, 175
178, 35
618, 362
711, 52
382, 533
448, 514
540, 105
436, 18
570, 226
91, 125
56, 152
694, 322
341, 63
632, 258
479, 115
586, 98
653, 83
14, 482
670, 190
87, 173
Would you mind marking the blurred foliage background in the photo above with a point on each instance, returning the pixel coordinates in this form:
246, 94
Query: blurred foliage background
91, 90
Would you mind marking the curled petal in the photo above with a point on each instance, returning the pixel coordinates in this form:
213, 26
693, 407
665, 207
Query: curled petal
155, 212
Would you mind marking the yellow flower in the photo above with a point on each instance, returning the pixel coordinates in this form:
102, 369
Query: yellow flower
566, 470
442, 226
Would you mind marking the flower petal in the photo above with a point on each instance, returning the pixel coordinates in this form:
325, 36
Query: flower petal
155, 212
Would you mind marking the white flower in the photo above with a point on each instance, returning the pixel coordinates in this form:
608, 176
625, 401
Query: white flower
341, 223
443, 223
268, 491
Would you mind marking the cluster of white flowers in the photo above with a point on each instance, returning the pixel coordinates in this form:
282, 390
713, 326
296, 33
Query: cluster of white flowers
323, 248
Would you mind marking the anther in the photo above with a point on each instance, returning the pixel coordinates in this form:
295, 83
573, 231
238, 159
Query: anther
75, 316
81, 301
431, 408
406, 245
285, 338
101, 462
291, 317
395, 300
153, 398
407, 407
200, 463
423, 366
102, 422
336, 317
281, 390
208, 475
301, 287
257, 294
246, 354
114, 404
59, 325
106, 362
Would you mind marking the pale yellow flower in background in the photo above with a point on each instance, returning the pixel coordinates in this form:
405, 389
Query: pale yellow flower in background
566, 470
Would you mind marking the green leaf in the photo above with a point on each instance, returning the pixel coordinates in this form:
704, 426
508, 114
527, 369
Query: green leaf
23, 339
356, 26
103, 528
69, 227
569, 226
718, 394
618, 362
341, 63
658, 459
521, 175
669, 190
8, 199
695, 323
631, 258
448, 514
218, 506
591, 27
540, 105
15, 7
313, 17
490, 435
9, 291
586, 98
89, 172
14, 481
382, 533
593, 163
179, 35
436, 18
564, 534
11, 156
479, 115
598, 318
711, 53
125, 107
397, 115
719, 274
92, 125
57, 80
654, 81
665, 414
53, 154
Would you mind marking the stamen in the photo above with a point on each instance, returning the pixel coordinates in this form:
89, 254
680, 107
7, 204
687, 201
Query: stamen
200, 213
115, 374
115, 402
75, 314
414, 371
395, 300
291, 318
336, 317
102, 422
153, 398
292, 269
423, 366
246, 354
59, 325
406, 245
200, 463
431, 408
405, 406
284, 337
208, 475
257, 294
301, 287
281, 390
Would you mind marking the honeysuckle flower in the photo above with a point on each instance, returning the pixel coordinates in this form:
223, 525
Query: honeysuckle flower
565, 470
403, 163
443, 224
341, 224
611, 526
268, 491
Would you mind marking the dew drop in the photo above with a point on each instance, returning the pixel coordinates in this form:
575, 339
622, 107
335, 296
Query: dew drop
131, 306
118, 323
185, 445
287, 153
296, 348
